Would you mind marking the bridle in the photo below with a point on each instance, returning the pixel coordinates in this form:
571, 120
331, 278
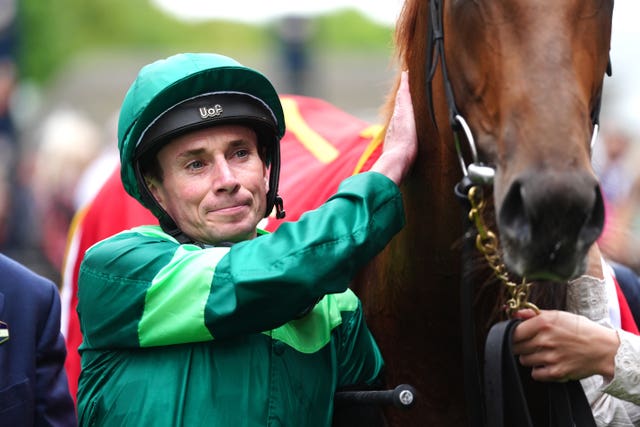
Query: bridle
475, 171
477, 175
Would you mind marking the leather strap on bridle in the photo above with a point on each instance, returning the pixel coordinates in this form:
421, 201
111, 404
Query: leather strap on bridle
435, 56
502, 385
506, 403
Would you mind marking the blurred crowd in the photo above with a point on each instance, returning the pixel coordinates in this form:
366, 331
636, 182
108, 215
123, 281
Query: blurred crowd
615, 162
50, 166
54, 177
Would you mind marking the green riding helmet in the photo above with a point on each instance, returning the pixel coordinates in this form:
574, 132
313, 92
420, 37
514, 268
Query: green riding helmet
191, 91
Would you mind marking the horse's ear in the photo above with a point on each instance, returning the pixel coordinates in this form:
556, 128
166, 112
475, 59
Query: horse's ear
609, 67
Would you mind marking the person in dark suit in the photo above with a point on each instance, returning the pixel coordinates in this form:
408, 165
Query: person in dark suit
629, 282
33, 383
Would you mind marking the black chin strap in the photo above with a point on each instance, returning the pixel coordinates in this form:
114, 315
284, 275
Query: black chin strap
169, 227
273, 199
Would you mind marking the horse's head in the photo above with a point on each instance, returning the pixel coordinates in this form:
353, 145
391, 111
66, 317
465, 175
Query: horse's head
527, 77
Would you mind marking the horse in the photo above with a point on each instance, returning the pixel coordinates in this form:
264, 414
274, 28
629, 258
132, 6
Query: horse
506, 97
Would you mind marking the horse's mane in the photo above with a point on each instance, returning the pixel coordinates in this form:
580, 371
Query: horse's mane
408, 44
406, 33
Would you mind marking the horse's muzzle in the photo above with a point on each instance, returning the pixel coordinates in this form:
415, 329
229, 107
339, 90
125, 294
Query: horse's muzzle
548, 221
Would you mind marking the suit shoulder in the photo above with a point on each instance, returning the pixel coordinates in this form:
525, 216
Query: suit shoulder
17, 278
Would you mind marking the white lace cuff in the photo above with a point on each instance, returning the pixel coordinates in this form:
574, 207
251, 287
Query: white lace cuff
587, 296
626, 380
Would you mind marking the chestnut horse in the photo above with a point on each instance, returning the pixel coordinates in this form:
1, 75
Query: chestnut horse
524, 78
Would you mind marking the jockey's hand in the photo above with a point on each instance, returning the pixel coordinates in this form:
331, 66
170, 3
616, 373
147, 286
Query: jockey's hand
401, 141
562, 346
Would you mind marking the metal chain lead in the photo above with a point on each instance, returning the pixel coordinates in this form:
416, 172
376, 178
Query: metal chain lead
487, 244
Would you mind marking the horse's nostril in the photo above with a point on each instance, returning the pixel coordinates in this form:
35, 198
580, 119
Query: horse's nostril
595, 222
513, 217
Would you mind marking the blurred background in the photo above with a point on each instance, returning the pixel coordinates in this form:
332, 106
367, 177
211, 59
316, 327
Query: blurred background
65, 67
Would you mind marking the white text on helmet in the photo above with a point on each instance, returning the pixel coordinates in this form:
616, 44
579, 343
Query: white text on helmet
214, 111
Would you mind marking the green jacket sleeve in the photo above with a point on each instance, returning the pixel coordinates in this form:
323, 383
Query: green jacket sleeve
151, 291
304, 260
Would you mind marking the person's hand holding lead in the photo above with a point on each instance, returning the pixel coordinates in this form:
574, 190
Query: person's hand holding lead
562, 346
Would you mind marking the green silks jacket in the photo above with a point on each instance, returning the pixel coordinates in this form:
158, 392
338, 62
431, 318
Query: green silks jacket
178, 335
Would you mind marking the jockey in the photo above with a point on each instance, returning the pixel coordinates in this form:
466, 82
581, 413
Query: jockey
207, 317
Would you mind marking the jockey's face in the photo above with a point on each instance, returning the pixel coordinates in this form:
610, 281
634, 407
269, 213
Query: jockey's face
214, 183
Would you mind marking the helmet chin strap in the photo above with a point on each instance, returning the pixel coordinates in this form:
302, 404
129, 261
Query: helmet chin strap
279, 204
273, 199
170, 227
